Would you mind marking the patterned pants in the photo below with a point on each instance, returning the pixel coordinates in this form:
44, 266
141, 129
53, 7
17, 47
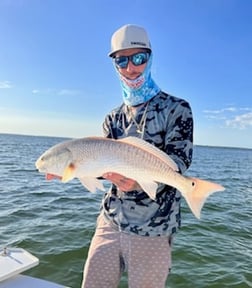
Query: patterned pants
146, 259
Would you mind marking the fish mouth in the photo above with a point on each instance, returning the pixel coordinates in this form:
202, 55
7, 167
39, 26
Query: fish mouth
39, 164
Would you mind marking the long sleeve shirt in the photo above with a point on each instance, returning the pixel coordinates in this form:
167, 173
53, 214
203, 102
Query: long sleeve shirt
166, 122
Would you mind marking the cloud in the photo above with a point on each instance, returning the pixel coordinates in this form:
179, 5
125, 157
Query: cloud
35, 91
241, 121
5, 85
216, 117
229, 109
68, 92
232, 117
59, 92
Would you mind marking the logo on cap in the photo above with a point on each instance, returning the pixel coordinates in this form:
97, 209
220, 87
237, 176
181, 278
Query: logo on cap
138, 43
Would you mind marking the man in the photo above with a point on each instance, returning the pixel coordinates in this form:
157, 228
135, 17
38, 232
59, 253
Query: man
134, 232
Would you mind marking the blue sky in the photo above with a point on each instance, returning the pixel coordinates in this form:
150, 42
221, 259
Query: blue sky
56, 78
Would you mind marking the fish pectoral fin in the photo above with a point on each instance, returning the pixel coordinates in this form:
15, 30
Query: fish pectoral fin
92, 183
149, 188
68, 173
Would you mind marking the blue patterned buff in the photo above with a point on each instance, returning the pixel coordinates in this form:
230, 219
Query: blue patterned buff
139, 90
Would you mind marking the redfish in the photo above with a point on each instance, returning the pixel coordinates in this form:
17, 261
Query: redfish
89, 158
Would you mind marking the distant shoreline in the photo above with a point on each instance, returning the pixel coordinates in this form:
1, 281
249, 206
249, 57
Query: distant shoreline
67, 137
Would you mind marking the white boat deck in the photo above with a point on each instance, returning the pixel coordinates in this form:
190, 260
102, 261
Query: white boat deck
22, 281
14, 261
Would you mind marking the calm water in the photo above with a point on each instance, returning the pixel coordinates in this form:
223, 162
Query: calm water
56, 221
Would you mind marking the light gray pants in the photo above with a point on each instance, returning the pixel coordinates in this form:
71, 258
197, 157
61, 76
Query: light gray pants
146, 259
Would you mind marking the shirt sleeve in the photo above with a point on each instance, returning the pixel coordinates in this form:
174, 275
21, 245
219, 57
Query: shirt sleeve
107, 128
179, 135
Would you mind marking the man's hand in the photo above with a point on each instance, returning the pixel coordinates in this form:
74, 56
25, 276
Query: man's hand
123, 183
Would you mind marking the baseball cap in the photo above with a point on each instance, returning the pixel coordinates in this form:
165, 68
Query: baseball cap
129, 36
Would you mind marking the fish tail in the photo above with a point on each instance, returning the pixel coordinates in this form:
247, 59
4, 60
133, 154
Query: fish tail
197, 197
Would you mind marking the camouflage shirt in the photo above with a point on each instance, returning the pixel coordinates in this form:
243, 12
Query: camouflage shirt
168, 124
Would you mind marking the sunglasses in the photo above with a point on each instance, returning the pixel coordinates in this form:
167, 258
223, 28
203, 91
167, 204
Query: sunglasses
137, 59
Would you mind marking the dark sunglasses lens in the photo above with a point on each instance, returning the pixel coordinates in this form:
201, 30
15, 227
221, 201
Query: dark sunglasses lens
139, 58
121, 61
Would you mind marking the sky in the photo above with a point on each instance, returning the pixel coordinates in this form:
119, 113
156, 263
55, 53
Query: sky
56, 78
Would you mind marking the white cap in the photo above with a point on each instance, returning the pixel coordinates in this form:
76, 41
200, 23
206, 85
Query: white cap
129, 36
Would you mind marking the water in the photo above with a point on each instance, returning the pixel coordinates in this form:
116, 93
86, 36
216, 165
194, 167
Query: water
56, 221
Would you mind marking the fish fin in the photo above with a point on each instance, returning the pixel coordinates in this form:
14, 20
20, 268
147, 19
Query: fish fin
152, 149
49, 176
92, 183
68, 173
197, 197
149, 188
